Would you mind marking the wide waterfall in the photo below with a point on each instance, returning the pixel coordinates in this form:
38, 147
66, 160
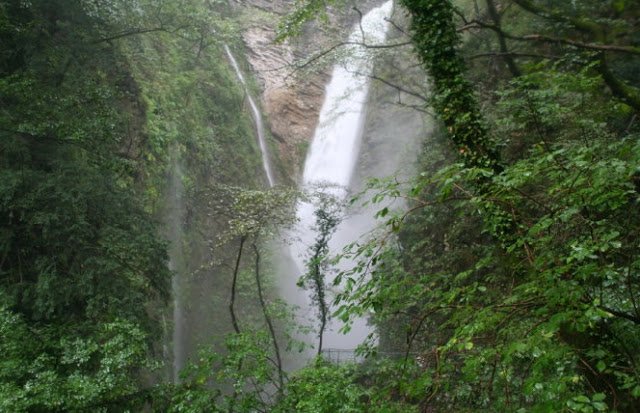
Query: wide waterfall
331, 161
257, 118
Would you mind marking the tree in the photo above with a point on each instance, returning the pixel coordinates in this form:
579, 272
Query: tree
436, 40
83, 271
327, 220
252, 362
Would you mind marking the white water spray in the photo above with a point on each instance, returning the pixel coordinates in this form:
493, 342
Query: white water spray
331, 161
257, 118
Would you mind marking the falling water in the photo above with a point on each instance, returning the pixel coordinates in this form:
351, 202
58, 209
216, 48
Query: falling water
174, 217
178, 327
257, 118
335, 147
332, 158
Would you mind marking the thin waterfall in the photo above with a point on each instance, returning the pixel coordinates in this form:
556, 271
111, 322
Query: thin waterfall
174, 219
178, 327
331, 162
257, 118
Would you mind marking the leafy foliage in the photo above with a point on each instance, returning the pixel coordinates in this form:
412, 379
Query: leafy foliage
324, 388
83, 270
515, 285
327, 218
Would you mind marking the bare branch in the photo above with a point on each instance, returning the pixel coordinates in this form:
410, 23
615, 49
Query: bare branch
580, 23
360, 23
478, 24
134, 32
234, 283
400, 88
267, 318
581, 45
513, 54
502, 41
396, 26
348, 43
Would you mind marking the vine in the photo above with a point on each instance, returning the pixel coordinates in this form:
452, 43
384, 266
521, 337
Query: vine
436, 40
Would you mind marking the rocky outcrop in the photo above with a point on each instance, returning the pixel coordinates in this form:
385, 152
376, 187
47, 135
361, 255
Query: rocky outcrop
291, 97
291, 102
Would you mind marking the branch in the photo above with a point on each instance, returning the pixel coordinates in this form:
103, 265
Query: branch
475, 24
589, 46
234, 320
582, 24
629, 94
513, 54
400, 88
396, 26
348, 43
234, 282
268, 320
461, 15
360, 23
621, 314
507, 57
134, 32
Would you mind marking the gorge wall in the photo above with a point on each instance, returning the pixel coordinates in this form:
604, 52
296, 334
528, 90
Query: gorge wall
292, 75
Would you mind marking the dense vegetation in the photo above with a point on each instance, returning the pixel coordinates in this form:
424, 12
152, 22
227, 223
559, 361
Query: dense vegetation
515, 276
511, 284
83, 271
99, 101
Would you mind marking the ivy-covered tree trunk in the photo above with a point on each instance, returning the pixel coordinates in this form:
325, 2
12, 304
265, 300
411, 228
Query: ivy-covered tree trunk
435, 40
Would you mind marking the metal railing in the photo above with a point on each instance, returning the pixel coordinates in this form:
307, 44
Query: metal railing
339, 356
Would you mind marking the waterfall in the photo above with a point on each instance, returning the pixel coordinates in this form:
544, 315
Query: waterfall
331, 161
178, 326
174, 217
335, 146
257, 118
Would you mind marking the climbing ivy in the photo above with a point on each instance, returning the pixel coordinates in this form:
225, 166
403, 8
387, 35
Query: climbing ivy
436, 41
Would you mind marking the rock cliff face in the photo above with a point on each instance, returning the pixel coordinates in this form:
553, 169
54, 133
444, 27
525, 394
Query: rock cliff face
291, 102
292, 90
293, 82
